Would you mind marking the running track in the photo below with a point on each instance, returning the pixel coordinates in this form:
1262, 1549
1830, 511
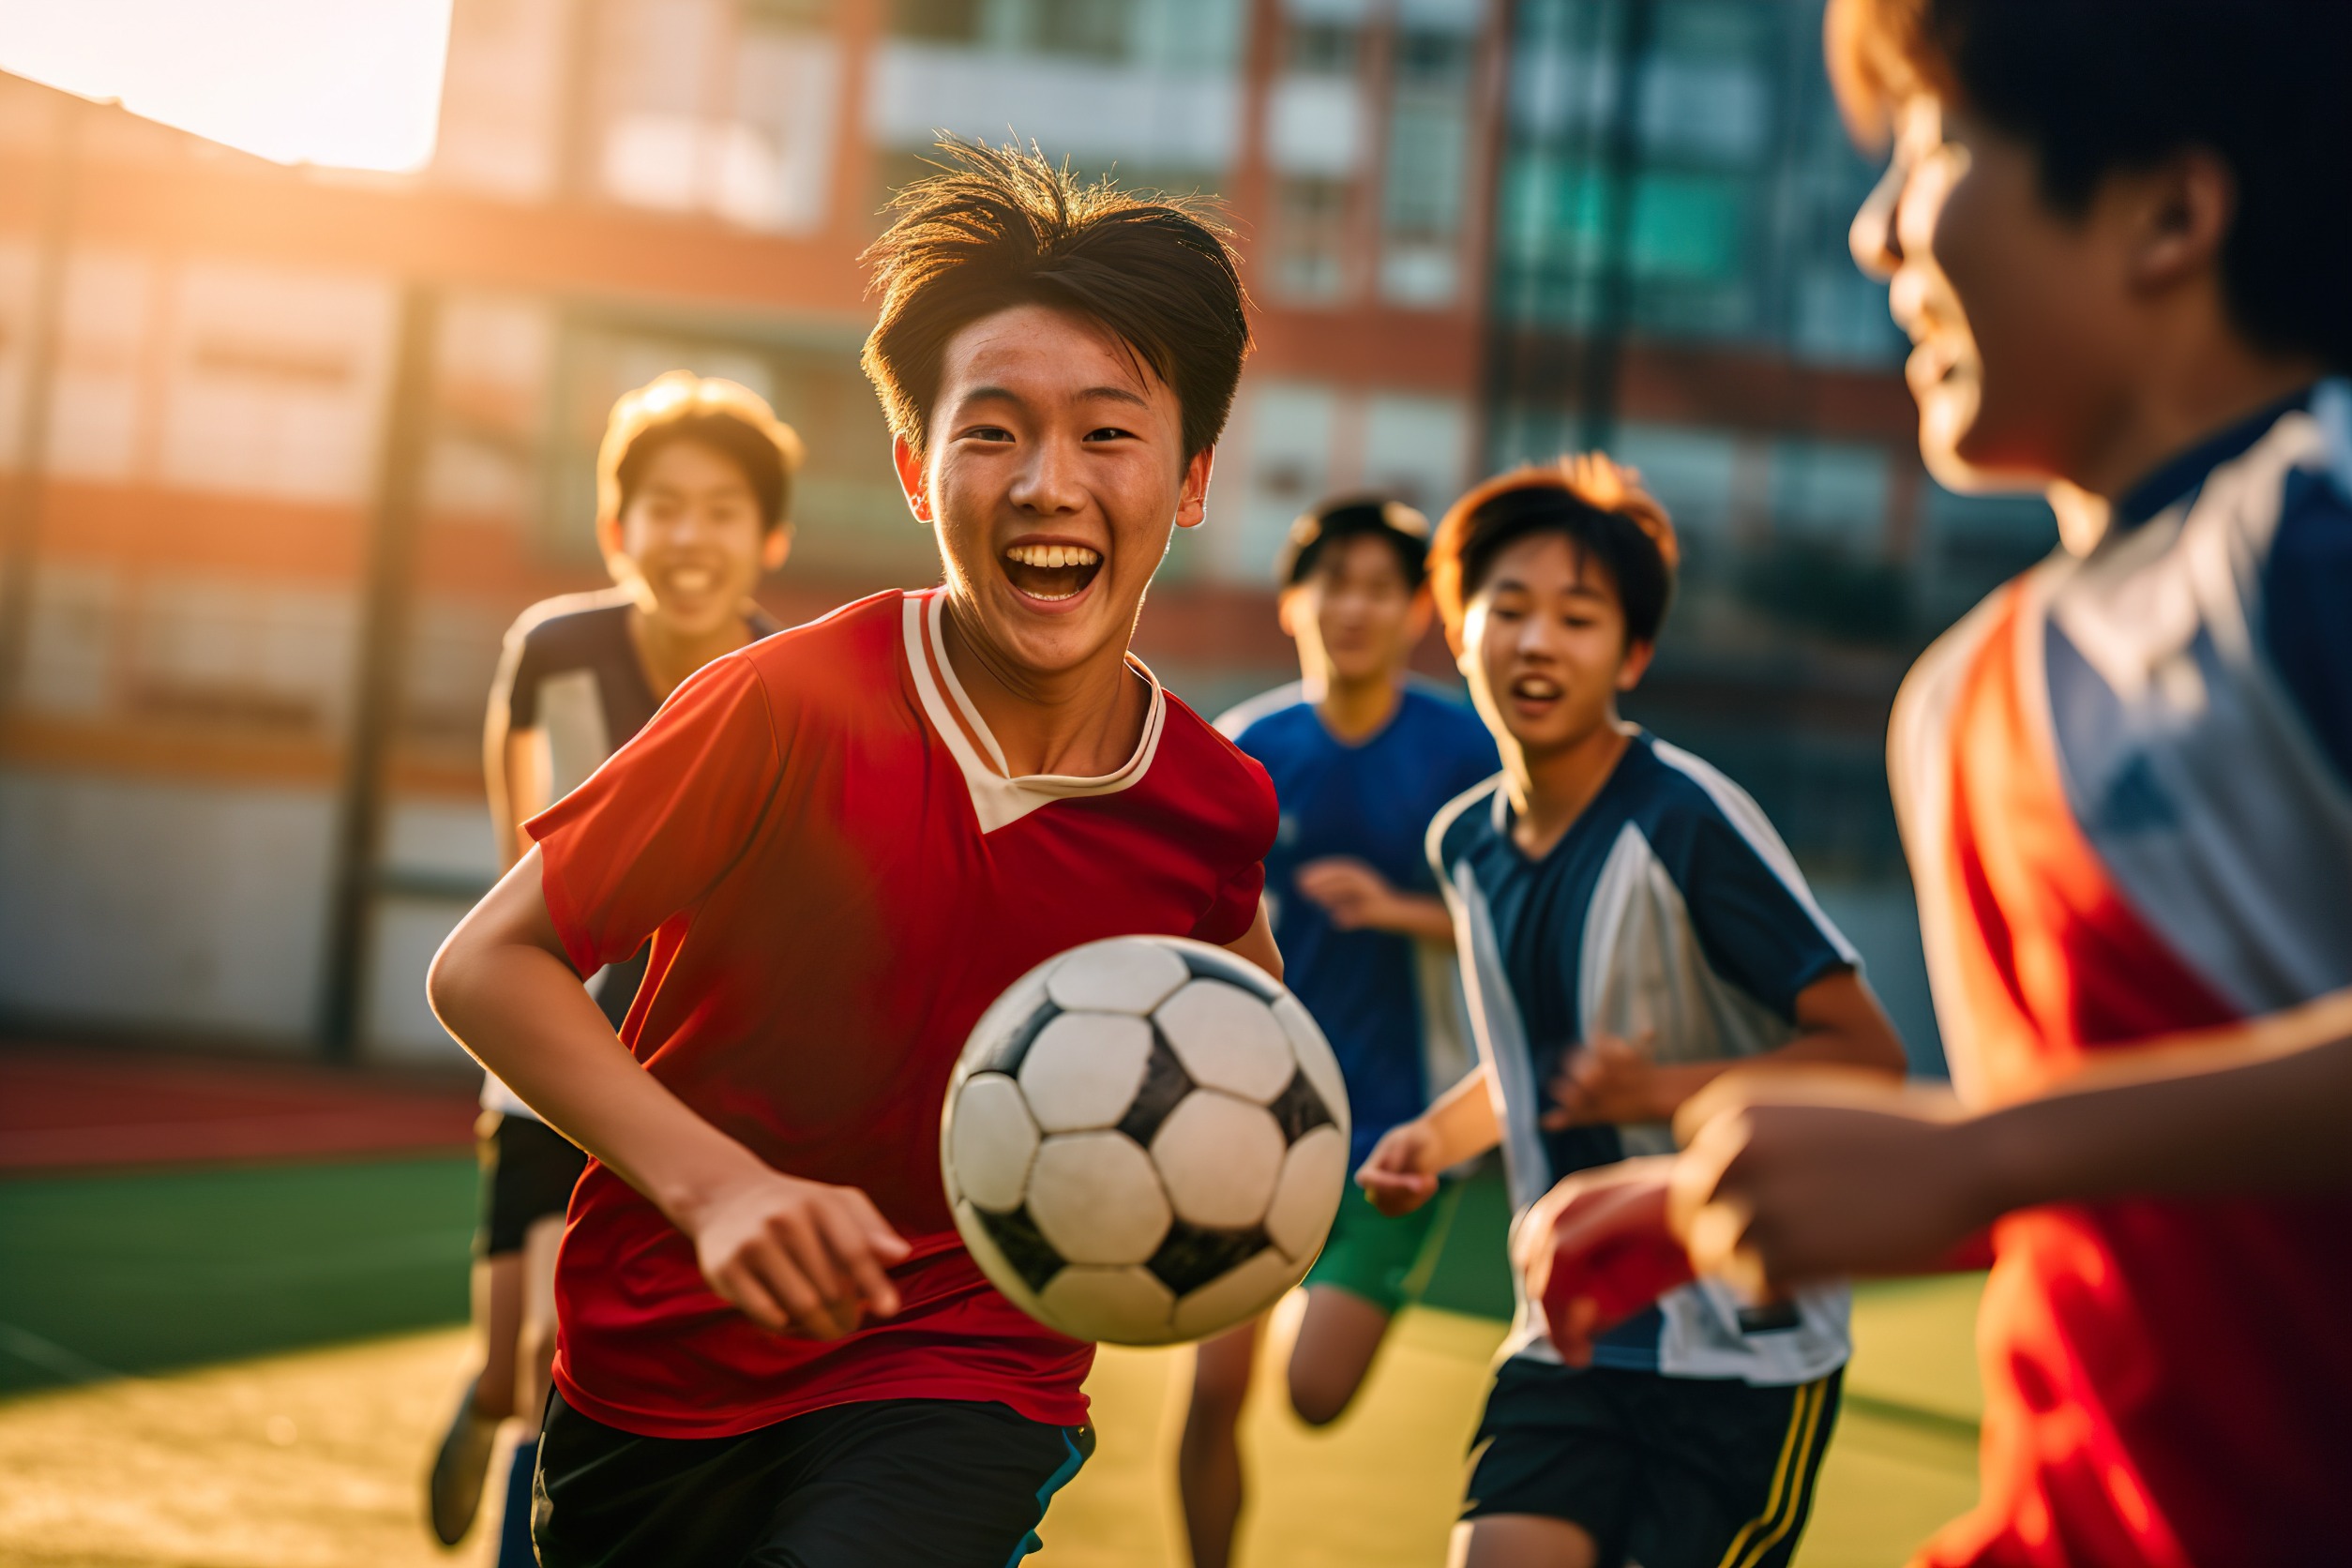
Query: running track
83, 1107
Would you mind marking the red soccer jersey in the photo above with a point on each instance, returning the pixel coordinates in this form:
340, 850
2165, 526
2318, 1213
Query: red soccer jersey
818, 835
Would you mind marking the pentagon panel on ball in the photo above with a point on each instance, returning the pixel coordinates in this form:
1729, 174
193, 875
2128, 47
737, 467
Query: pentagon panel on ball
1145, 1140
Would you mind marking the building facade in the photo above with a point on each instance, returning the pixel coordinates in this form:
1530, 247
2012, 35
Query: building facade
282, 452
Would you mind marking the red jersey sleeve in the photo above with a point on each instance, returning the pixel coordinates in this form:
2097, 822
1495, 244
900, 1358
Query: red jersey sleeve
1229, 918
652, 830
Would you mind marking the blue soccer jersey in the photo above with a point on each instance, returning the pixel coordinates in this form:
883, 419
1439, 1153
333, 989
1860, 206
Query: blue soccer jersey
1372, 801
1671, 916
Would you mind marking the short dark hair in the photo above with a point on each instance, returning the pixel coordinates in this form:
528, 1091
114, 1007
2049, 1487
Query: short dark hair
1597, 506
1378, 517
1000, 227
725, 416
2094, 86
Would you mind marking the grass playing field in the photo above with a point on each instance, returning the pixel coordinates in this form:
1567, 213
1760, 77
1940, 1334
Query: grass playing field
286, 1331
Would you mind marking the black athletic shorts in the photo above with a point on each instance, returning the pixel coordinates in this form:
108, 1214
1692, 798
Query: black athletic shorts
528, 1172
1668, 1472
889, 1484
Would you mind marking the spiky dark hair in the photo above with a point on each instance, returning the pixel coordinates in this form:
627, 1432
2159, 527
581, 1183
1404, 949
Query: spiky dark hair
999, 227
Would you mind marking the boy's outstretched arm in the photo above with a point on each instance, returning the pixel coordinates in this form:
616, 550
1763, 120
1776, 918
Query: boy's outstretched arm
1839, 1024
1401, 1172
794, 1255
1779, 1186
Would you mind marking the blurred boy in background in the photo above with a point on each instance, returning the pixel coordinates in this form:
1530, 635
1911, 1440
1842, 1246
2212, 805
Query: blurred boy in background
694, 503
1630, 927
1362, 756
2115, 231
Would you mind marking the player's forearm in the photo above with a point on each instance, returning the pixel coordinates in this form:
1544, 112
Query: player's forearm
1420, 915
523, 1012
2269, 1110
1462, 1122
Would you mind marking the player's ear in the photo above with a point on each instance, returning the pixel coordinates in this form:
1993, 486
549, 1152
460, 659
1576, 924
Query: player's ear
1287, 610
777, 547
913, 480
1635, 665
1417, 617
2180, 212
617, 561
1192, 508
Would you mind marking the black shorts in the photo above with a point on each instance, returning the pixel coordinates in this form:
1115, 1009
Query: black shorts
1668, 1472
528, 1172
889, 1484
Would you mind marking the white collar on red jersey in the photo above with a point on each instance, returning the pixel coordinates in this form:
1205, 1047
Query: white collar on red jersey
999, 797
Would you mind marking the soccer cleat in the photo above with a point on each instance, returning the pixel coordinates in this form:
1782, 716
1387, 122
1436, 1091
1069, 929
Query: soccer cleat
453, 1493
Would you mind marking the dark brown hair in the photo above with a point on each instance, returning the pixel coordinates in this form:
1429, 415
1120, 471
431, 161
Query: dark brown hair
999, 227
1598, 507
2097, 87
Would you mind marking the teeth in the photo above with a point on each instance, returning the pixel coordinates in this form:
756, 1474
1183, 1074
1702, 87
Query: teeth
690, 581
1053, 555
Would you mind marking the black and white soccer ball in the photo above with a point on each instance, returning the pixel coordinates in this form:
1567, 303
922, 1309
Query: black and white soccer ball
1145, 1140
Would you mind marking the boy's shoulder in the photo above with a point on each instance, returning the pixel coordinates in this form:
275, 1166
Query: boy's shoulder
572, 621
1268, 714
1204, 761
1468, 820
1680, 802
844, 652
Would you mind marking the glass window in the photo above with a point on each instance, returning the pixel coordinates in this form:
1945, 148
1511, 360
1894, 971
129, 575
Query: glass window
1693, 472
1831, 491
1311, 239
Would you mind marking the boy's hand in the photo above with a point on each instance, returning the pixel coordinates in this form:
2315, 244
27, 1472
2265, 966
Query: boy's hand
798, 1257
1394, 1176
1597, 1248
1772, 1193
1352, 893
1607, 1080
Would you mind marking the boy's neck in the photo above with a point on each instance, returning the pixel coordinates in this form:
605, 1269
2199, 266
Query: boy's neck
1548, 793
1358, 710
668, 655
1083, 722
2185, 399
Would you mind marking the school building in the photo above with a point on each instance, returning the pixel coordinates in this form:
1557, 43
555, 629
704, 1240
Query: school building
283, 451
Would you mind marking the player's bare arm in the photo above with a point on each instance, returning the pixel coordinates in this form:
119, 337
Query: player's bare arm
1401, 1172
1778, 1193
795, 1256
1257, 944
1359, 898
1839, 1024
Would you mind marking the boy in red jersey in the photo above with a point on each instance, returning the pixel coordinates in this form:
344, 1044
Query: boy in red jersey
2125, 784
844, 842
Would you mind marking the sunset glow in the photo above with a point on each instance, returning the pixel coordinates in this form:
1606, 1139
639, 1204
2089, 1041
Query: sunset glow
353, 83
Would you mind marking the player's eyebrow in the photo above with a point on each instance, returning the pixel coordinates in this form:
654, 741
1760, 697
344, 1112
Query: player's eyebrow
1006, 395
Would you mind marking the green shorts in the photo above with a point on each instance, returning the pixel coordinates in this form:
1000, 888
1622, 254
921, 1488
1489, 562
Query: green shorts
1386, 1262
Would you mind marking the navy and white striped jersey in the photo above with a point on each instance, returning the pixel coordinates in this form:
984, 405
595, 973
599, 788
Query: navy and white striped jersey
1671, 916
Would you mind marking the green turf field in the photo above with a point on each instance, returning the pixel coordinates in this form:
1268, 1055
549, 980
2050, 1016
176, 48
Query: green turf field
147, 1271
310, 1449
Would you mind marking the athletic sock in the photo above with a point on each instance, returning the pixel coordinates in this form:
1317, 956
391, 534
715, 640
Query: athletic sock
514, 1525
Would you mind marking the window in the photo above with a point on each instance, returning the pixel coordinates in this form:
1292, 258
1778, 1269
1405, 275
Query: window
1693, 472
1833, 492
706, 108
1311, 239
1290, 434
1415, 447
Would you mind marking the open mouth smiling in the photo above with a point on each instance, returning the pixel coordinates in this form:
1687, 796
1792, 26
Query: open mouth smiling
1051, 572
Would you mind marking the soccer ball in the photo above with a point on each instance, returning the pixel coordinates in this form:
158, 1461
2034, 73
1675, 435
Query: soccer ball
1145, 1140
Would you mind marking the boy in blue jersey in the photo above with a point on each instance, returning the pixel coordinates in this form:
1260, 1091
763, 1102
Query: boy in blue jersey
1630, 927
1362, 757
